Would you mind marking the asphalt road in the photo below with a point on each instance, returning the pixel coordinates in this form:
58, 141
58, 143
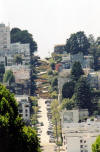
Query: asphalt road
44, 138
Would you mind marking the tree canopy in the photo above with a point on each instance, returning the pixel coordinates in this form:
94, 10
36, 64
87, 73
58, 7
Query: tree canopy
76, 71
68, 89
2, 71
23, 36
54, 83
96, 145
94, 50
69, 104
78, 42
13, 132
9, 77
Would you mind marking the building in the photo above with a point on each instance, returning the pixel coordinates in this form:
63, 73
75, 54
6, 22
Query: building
24, 107
2, 60
73, 116
79, 137
22, 79
4, 37
93, 80
70, 59
23, 50
66, 62
59, 49
64, 76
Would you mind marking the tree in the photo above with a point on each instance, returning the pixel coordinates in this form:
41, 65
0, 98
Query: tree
83, 94
2, 68
13, 132
2, 71
52, 65
68, 89
96, 145
23, 36
91, 39
18, 59
33, 84
54, 95
78, 42
9, 77
76, 71
50, 72
69, 104
94, 50
56, 118
54, 83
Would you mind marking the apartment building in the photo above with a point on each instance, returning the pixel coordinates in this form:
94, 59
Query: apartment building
24, 106
79, 137
21, 49
4, 37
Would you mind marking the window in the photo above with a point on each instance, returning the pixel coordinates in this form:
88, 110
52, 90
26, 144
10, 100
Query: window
84, 141
80, 141
26, 111
26, 115
81, 146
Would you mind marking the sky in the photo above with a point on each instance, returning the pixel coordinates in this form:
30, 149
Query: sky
52, 21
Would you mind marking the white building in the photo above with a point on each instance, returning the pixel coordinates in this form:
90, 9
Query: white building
64, 76
79, 137
70, 59
73, 116
21, 49
2, 60
24, 107
93, 79
4, 37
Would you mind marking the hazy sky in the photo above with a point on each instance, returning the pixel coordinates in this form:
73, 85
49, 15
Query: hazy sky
52, 21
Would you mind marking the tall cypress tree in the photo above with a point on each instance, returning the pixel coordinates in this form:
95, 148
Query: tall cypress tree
76, 71
83, 94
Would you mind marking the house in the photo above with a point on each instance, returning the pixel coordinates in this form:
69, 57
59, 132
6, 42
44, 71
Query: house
22, 79
70, 59
58, 67
59, 49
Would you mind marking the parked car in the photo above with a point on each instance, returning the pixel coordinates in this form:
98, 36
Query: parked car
42, 124
51, 140
49, 132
